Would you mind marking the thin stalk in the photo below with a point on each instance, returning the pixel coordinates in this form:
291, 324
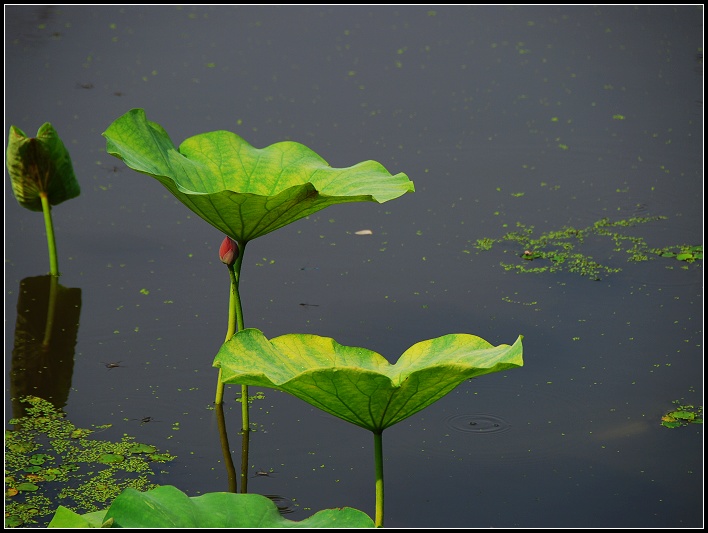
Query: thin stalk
232, 326
378, 461
235, 324
245, 439
49, 225
240, 326
244, 408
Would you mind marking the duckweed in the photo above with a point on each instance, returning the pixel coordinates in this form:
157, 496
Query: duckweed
49, 462
682, 415
557, 251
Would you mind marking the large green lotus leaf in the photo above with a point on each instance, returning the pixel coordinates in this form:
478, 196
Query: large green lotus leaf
356, 384
40, 164
67, 519
168, 507
246, 192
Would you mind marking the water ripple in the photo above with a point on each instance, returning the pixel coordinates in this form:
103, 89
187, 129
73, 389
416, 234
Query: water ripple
479, 423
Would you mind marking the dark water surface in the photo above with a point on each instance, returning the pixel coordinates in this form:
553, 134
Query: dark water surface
549, 117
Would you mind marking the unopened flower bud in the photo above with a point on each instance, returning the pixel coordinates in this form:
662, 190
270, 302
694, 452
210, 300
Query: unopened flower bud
228, 252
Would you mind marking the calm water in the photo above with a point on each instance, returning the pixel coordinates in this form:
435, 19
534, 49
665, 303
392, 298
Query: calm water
545, 116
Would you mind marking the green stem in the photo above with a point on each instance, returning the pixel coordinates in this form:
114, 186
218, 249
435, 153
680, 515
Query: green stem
240, 326
232, 325
244, 408
47, 210
378, 461
245, 439
235, 324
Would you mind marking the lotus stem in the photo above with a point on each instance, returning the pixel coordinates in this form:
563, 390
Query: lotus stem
49, 225
236, 269
234, 262
232, 255
232, 327
245, 440
378, 461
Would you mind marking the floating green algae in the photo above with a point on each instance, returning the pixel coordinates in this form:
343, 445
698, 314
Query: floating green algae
557, 251
682, 415
50, 462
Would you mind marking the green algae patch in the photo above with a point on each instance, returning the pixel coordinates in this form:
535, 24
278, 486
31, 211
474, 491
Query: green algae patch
686, 253
49, 463
563, 250
682, 415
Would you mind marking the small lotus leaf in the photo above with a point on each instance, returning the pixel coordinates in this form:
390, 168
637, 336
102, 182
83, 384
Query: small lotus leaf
108, 458
13, 521
20, 447
683, 415
246, 192
141, 448
40, 164
356, 384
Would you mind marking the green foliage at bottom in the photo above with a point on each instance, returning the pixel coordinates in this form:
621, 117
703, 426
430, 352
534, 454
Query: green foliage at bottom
169, 507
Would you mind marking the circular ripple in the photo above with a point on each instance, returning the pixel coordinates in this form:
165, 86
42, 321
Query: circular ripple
478, 423
285, 505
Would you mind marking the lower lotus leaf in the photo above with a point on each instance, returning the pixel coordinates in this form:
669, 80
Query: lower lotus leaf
66, 518
167, 506
356, 384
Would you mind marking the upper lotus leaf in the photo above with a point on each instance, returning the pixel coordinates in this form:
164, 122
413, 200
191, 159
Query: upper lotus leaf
356, 384
246, 192
40, 165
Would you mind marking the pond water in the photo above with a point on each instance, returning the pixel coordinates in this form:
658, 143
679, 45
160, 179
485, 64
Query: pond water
506, 119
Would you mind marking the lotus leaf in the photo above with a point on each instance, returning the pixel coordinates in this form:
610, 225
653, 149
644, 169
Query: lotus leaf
356, 384
169, 507
246, 192
40, 165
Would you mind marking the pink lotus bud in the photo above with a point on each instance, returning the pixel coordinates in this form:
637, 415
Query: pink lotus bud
228, 252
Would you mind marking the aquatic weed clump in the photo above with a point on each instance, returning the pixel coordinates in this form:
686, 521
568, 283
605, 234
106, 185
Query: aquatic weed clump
557, 251
682, 415
50, 462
